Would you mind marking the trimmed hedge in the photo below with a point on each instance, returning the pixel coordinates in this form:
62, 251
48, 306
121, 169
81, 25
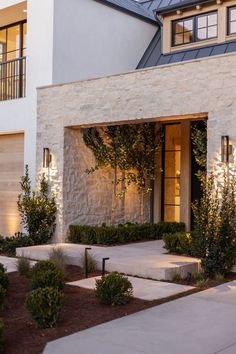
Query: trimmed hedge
179, 242
110, 235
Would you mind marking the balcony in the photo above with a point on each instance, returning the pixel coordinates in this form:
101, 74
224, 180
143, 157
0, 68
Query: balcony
13, 79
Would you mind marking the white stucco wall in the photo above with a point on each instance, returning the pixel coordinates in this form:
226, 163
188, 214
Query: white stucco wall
93, 40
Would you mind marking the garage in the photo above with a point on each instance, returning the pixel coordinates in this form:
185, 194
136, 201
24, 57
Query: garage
11, 170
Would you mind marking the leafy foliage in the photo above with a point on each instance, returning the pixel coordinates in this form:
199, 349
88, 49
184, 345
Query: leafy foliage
45, 305
114, 289
10, 244
3, 294
121, 234
58, 258
2, 329
179, 242
4, 281
92, 264
37, 210
199, 141
46, 274
129, 149
24, 267
214, 237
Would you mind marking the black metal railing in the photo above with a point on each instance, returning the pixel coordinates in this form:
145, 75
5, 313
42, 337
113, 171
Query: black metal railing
12, 79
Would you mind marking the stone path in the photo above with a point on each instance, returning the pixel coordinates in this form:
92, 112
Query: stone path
142, 288
146, 259
203, 323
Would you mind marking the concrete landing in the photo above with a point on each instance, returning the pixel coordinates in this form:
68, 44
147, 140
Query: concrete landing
10, 263
142, 288
203, 323
146, 259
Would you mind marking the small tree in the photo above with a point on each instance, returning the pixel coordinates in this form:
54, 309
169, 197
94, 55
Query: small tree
214, 236
37, 210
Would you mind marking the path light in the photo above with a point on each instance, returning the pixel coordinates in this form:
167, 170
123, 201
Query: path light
226, 149
104, 265
47, 158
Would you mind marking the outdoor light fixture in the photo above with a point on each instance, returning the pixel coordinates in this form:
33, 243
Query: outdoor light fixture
47, 158
226, 149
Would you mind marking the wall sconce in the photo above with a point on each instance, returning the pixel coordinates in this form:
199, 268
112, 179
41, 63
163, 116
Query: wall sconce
226, 149
47, 158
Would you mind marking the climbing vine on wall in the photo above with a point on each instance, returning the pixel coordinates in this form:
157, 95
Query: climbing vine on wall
199, 141
128, 149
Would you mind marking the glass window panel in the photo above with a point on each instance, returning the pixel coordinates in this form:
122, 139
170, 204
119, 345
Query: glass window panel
188, 37
171, 213
172, 164
179, 27
202, 33
3, 44
188, 25
233, 27
24, 39
233, 14
212, 32
212, 19
202, 21
172, 191
173, 137
13, 42
179, 39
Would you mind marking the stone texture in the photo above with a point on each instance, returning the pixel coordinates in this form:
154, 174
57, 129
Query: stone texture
200, 88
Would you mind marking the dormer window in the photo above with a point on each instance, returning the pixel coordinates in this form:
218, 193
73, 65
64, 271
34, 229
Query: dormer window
195, 28
232, 20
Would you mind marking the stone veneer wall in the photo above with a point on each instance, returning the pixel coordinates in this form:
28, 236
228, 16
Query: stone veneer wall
90, 199
203, 87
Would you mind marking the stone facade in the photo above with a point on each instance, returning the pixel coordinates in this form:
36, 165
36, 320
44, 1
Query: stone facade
203, 88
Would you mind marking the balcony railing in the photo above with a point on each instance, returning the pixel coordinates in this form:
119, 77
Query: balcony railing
12, 79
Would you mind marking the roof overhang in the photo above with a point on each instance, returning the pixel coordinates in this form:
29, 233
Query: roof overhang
180, 6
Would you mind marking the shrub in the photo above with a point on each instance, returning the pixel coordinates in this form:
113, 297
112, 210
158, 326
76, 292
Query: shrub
45, 305
91, 263
18, 240
2, 329
46, 274
37, 210
24, 267
177, 278
110, 235
179, 242
215, 226
58, 258
113, 289
4, 282
3, 294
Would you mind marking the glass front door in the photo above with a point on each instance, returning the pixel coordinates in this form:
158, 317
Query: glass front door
171, 173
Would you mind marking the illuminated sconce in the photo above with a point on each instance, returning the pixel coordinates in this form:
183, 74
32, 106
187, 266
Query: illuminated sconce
47, 158
226, 149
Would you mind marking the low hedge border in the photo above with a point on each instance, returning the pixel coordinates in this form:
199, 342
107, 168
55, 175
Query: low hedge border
126, 233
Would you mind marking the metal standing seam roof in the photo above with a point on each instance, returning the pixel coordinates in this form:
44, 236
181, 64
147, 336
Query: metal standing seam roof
154, 57
160, 6
132, 7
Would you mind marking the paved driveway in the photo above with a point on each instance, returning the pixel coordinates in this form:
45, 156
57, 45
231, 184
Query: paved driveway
203, 323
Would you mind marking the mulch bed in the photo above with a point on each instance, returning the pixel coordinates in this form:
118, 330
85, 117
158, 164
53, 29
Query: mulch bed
81, 311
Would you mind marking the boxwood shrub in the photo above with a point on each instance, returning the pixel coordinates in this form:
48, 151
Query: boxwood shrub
179, 242
121, 234
46, 274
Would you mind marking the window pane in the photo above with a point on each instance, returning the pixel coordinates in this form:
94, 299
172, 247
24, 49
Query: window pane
13, 42
178, 39
233, 27
24, 39
173, 137
188, 25
172, 164
179, 27
202, 21
3, 44
171, 213
202, 33
172, 191
233, 14
212, 19
188, 37
212, 32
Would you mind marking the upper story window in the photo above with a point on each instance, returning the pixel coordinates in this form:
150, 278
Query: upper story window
195, 28
232, 20
13, 41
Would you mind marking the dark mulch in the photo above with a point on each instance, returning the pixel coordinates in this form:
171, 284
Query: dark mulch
81, 311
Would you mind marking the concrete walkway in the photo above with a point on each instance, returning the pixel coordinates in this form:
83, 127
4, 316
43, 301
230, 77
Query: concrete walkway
10, 263
146, 259
203, 323
142, 288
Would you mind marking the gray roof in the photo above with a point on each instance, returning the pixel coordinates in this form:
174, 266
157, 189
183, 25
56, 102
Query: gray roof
162, 6
133, 8
154, 57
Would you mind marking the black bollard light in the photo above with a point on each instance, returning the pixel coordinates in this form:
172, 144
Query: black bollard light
104, 265
86, 261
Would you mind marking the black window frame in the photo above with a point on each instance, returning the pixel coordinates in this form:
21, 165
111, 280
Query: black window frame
229, 33
194, 18
22, 48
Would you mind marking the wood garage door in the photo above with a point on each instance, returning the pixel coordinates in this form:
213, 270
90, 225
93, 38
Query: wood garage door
11, 170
